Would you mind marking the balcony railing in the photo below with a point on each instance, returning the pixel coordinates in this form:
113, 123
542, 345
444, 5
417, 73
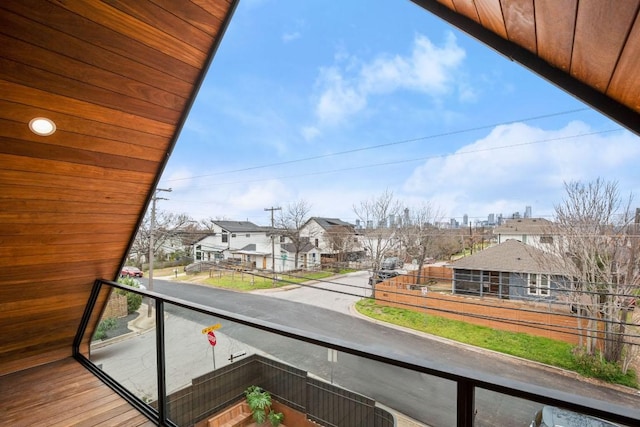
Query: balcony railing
172, 373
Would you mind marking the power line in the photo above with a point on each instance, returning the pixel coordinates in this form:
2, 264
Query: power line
389, 144
398, 162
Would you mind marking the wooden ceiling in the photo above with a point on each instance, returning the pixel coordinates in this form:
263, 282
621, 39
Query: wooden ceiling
590, 48
117, 78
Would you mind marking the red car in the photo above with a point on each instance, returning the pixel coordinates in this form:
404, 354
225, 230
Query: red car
131, 271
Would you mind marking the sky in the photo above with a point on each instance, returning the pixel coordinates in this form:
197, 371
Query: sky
334, 103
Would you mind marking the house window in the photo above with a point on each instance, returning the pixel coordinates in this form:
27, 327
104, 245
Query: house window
546, 239
317, 243
247, 235
281, 239
539, 284
233, 235
544, 284
225, 237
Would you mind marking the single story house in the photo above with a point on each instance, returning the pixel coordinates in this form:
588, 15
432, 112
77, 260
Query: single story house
308, 256
509, 270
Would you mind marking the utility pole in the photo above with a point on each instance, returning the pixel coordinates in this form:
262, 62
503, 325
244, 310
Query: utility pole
151, 243
273, 243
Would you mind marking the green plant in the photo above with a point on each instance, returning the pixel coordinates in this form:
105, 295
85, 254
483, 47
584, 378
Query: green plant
103, 327
596, 366
259, 402
275, 418
134, 301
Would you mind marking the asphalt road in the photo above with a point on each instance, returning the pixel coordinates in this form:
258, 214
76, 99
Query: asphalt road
419, 396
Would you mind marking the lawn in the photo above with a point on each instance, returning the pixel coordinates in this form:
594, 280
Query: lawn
538, 349
244, 281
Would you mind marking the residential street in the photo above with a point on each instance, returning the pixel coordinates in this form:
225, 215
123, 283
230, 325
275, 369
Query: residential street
418, 396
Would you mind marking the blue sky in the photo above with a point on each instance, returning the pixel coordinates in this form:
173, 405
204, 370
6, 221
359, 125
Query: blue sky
336, 102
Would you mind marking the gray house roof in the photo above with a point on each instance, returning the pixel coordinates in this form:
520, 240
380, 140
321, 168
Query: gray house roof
240, 226
327, 223
512, 256
525, 226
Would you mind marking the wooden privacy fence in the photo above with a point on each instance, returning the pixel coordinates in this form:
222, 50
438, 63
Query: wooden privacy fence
324, 403
512, 316
430, 273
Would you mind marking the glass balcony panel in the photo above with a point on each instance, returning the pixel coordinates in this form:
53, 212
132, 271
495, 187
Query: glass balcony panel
124, 345
307, 381
497, 409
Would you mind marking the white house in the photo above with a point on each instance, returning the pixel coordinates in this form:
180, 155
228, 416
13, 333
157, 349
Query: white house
536, 232
325, 233
227, 237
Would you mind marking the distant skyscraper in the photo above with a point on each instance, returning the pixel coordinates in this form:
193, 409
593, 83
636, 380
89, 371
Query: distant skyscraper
491, 219
465, 219
527, 212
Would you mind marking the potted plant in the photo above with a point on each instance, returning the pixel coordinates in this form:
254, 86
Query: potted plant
259, 402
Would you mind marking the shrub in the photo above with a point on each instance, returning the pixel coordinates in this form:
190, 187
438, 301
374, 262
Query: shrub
134, 301
595, 366
103, 327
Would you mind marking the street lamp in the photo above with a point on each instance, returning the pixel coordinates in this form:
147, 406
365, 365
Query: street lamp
151, 243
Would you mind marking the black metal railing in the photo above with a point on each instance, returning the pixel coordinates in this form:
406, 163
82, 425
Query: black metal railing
468, 381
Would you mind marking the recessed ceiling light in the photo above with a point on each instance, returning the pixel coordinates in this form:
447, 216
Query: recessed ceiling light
42, 126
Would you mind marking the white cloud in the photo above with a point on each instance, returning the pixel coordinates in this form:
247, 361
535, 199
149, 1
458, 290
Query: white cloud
339, 98
429, 69
257, 196
530, 169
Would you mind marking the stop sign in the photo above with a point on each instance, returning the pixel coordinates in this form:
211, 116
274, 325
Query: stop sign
212, 338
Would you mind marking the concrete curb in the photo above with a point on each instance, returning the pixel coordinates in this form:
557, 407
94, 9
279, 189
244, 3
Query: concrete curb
139, 325
561, 371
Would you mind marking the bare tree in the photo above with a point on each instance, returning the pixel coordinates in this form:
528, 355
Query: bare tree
378, 238
448, 244
341, 240
420, 235
598, 250
292, 218
167, 226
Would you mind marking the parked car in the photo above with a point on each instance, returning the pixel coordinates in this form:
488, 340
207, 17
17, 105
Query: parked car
130, 271
551, 416
382, 275
391, 263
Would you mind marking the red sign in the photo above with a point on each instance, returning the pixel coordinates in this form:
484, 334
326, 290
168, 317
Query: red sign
212, 338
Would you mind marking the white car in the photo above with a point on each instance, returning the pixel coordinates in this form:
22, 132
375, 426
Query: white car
551, 416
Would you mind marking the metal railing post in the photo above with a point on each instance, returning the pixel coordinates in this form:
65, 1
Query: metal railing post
465, 404
160, 361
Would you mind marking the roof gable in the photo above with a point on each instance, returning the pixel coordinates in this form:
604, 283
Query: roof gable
327, 223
